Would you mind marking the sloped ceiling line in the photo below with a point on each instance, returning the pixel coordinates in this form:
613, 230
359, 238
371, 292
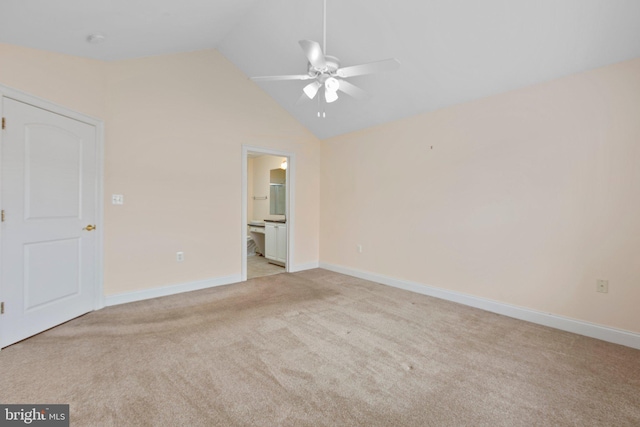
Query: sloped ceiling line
451, 51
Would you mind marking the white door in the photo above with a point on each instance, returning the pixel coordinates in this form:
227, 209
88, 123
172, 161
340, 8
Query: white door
49, 197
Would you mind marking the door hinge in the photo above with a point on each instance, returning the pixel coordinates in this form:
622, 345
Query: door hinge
4, 123
2, 216
2, 307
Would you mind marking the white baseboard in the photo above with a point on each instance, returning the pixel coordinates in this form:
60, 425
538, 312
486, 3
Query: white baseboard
605, 333
185, 287
302, 267
169, 290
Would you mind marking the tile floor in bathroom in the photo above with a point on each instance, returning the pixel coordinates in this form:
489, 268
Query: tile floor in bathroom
258, 266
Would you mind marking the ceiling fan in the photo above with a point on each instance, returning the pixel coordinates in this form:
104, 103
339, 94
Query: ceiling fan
326, 73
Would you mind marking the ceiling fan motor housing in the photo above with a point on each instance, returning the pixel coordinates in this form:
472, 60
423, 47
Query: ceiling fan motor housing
332, 65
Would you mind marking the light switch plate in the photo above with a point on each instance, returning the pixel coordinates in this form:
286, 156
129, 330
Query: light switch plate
117, 199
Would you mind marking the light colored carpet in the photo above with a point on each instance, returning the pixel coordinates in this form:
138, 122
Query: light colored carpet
318, 348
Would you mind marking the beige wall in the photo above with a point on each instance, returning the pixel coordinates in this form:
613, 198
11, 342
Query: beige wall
75, 83
527, 197
175, 126
261, 186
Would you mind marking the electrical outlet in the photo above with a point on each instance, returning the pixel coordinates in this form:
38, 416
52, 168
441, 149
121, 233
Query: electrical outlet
117, 199
359, 247
602, 286
179, 256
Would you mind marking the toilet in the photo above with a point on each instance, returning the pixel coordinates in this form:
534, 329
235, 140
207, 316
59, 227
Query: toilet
256, 233
251, 246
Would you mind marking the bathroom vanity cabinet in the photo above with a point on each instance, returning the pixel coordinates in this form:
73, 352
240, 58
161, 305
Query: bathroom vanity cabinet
275, 242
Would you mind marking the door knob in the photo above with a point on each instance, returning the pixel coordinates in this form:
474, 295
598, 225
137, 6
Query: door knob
90, 227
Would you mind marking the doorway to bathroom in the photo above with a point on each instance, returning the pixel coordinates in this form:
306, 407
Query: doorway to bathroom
267, 211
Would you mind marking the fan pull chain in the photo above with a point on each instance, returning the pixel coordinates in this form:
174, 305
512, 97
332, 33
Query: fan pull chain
319, 107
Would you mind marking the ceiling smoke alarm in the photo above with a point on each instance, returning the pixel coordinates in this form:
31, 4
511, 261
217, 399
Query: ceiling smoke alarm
96, 38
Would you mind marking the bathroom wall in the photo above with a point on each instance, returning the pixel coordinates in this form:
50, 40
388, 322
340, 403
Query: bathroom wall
261, 167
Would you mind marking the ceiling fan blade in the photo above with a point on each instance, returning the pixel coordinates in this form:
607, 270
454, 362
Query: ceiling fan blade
312, 89
314, 53
279, 78
370, 68
352, 90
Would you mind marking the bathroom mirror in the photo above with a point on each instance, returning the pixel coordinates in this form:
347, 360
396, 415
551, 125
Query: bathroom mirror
277, 196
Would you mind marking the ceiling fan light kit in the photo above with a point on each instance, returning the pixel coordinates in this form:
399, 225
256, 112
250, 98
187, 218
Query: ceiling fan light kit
332, 84
330, 96
326, 73
312, 89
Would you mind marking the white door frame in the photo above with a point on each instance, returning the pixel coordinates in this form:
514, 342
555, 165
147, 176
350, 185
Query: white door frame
290, 202
18, 95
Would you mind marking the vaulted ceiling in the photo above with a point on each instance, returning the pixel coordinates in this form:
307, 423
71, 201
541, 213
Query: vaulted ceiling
451, 51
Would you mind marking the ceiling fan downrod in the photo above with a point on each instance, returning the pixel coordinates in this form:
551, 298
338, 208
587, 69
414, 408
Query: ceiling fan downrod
324, 28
